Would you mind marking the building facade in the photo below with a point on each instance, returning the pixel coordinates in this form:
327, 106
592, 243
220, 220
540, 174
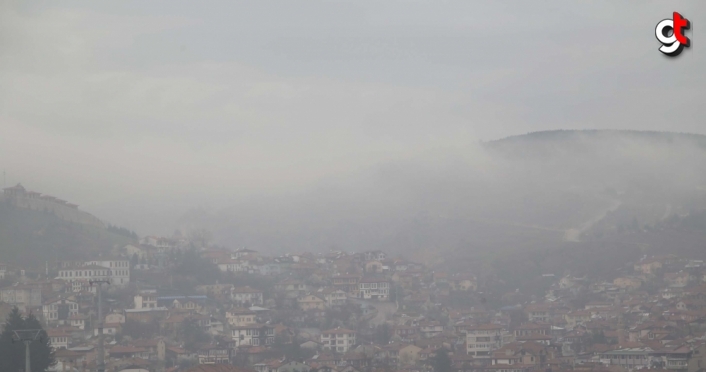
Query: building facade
339, 339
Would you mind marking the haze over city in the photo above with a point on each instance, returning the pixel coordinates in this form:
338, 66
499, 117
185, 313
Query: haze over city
141, 112
352, 186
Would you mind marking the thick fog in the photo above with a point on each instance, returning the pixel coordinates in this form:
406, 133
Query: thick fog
534, 193
317, 124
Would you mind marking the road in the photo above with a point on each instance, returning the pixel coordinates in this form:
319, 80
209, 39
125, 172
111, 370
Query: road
574, 235
385, 309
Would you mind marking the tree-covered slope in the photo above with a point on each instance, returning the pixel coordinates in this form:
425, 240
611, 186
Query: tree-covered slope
30, 237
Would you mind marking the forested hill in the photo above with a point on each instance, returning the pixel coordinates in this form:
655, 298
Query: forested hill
578, 141
519, 194
32, 237
562, 135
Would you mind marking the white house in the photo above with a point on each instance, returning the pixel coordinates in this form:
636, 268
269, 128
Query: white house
374, 288
159, 242
240, 317
229, 265
116, 271
375, 255
59, 338
483, 339
23, 296
59, 310
78, 320
253, 335
145, 300
115, 318
338, 339
333, 297
120, 270
246, 295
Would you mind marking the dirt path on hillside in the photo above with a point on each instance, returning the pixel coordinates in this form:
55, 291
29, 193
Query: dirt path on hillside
574, 234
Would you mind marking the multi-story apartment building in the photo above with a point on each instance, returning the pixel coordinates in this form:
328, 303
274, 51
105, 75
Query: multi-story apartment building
338, 339
120, 270
347, 283
145, 300
482, 340
116, 271
22, 295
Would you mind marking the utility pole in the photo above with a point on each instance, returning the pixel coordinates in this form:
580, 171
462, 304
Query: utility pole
26, 336
100, 360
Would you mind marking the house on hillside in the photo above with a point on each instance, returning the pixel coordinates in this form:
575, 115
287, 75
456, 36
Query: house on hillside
246, 296
338, 339
372, 288
310, 302
59, 310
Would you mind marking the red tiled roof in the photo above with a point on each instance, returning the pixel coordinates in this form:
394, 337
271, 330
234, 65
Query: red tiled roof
337, 330
118, 349
246, 290
484, 327
218, 368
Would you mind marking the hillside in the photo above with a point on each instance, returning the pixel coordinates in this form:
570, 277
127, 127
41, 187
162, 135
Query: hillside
538, 192
31, 237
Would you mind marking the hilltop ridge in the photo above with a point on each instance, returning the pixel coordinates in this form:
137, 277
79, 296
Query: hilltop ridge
19, 197
527, 192
36, 228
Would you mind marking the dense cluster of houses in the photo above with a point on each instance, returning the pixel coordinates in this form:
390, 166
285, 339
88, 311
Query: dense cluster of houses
355, 312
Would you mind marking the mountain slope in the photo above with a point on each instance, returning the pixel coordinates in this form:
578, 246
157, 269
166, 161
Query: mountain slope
526, 193
30, 237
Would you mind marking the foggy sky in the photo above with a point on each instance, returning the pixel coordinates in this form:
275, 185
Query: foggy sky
139, 111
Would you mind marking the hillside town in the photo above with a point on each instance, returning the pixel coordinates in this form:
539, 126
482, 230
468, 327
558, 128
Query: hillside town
174, 304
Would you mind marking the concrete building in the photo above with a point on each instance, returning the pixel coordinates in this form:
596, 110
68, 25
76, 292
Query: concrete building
482, 340
338, 339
